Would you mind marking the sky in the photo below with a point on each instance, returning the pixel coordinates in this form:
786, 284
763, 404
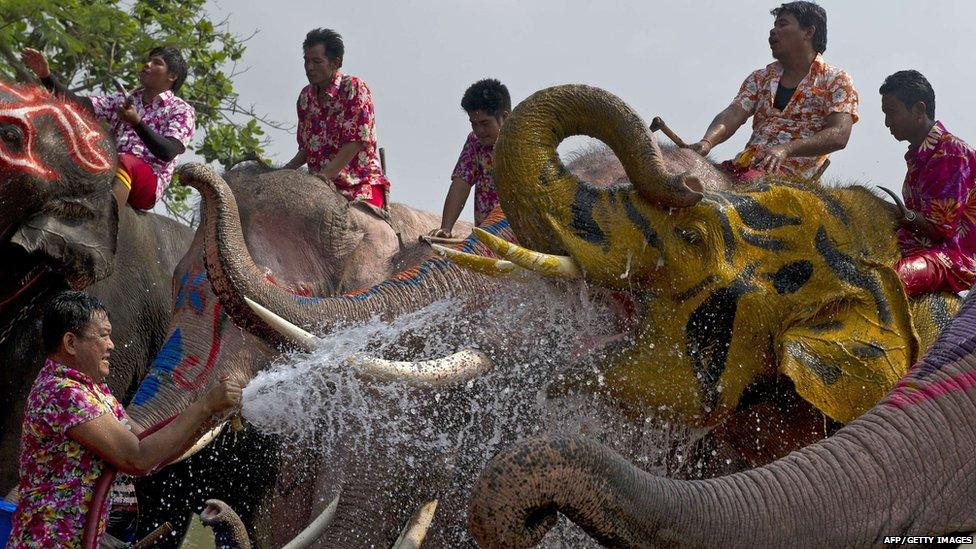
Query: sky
683, 61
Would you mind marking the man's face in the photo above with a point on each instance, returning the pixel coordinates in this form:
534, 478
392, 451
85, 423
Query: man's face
787, 36
155, 74
901, 121
93, 347
485, 126
319, 69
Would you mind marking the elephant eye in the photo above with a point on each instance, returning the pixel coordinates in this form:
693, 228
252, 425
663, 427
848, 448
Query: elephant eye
11, 135
689, 236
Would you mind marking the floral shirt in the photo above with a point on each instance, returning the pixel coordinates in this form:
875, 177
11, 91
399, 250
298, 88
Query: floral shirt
57, 474
823, 91
167, 115
474, 168
941, 185
345, 117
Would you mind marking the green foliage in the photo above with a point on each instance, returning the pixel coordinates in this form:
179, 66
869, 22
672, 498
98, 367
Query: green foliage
88, 42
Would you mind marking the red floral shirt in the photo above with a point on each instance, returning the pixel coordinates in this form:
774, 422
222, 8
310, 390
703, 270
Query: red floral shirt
474, 168
58, 474
823, 91
167, 115
941, 185
345, 117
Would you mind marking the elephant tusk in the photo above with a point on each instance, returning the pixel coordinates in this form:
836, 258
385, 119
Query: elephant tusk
458, 368
490, 266
441, 240
415, 531
201, 443
289, 331
315, 528
556, 266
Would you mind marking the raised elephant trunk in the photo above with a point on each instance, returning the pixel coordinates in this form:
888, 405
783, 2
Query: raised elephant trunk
876, 477
234, 274
531, 179
229, 531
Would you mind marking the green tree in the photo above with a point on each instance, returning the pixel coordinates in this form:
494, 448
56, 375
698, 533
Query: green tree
91, 42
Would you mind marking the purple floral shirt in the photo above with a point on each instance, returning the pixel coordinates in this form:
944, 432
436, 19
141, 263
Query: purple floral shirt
167, 115
474, 167
347, 116
941, 185
58, 474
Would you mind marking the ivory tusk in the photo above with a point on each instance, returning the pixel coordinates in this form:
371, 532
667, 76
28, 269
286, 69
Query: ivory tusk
315, 528
296, 335
415, 531
490, 266
441, 240
201, 443
557, 266
458, 368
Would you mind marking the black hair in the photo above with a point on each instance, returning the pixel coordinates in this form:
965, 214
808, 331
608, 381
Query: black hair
488, 95
67, 312
808, 15
175, 64
330, 40
910, 87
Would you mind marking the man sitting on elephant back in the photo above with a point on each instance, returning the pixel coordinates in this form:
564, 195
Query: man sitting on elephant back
802, 108
151, 126
336, 134
937, 233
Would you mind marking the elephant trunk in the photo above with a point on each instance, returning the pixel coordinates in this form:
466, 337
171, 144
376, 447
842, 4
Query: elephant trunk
234, 274
533, 184
874, 478
229, 531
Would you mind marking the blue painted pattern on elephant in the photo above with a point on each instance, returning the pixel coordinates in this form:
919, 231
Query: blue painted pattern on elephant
162, 368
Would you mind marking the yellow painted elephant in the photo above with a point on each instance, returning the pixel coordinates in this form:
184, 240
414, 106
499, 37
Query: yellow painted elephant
765, 310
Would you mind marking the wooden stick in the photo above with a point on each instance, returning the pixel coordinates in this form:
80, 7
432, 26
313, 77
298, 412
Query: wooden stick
658, 124
147, 541
820, 170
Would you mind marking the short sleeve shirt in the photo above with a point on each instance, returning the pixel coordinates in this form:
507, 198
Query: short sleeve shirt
824, 90
941, 185
58, 474
167, 115
474, 167
346, 116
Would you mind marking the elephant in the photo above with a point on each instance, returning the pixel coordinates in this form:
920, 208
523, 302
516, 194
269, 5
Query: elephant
871, 483
61, 228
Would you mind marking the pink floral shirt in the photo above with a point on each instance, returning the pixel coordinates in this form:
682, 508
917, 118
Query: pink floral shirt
941, 185
823, 91
57, 474
167, 115
474, 168
346, 116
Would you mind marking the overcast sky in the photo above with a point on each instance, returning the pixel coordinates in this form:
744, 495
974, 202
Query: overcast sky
683, 61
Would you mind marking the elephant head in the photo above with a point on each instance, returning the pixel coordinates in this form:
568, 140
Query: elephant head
873, 478
741, 291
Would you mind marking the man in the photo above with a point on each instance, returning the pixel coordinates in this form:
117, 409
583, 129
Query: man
937, 233
488, 104
151, 126
802, 108
336, 135
73, 426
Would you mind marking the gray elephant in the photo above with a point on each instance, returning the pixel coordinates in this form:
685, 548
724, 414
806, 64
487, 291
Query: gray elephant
60, 227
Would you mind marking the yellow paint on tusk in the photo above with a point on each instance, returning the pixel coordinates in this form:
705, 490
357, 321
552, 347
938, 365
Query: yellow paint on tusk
485, 265
557, 266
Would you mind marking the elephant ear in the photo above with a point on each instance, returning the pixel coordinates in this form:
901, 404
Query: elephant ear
77, 235
848, 355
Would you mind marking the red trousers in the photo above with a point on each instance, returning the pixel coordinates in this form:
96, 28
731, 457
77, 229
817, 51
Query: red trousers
142, 188
934, 270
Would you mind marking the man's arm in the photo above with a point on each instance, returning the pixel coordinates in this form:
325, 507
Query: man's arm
107, 437
457, 197
723, 126
833, 137
36, 62
296, 161
341, 159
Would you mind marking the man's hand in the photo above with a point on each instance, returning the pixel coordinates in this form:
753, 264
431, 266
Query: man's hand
440, 233
224, 396
772, 159
127, 112
36, 62
703, 147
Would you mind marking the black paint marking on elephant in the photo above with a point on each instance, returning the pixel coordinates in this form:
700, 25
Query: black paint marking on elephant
828, 326
756, 216
583, 223
872, 349
727, 236
635, 217
554, 165
708, 336
770, 243
846, 269
696, 289
831, 204
791, 277
827, 373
